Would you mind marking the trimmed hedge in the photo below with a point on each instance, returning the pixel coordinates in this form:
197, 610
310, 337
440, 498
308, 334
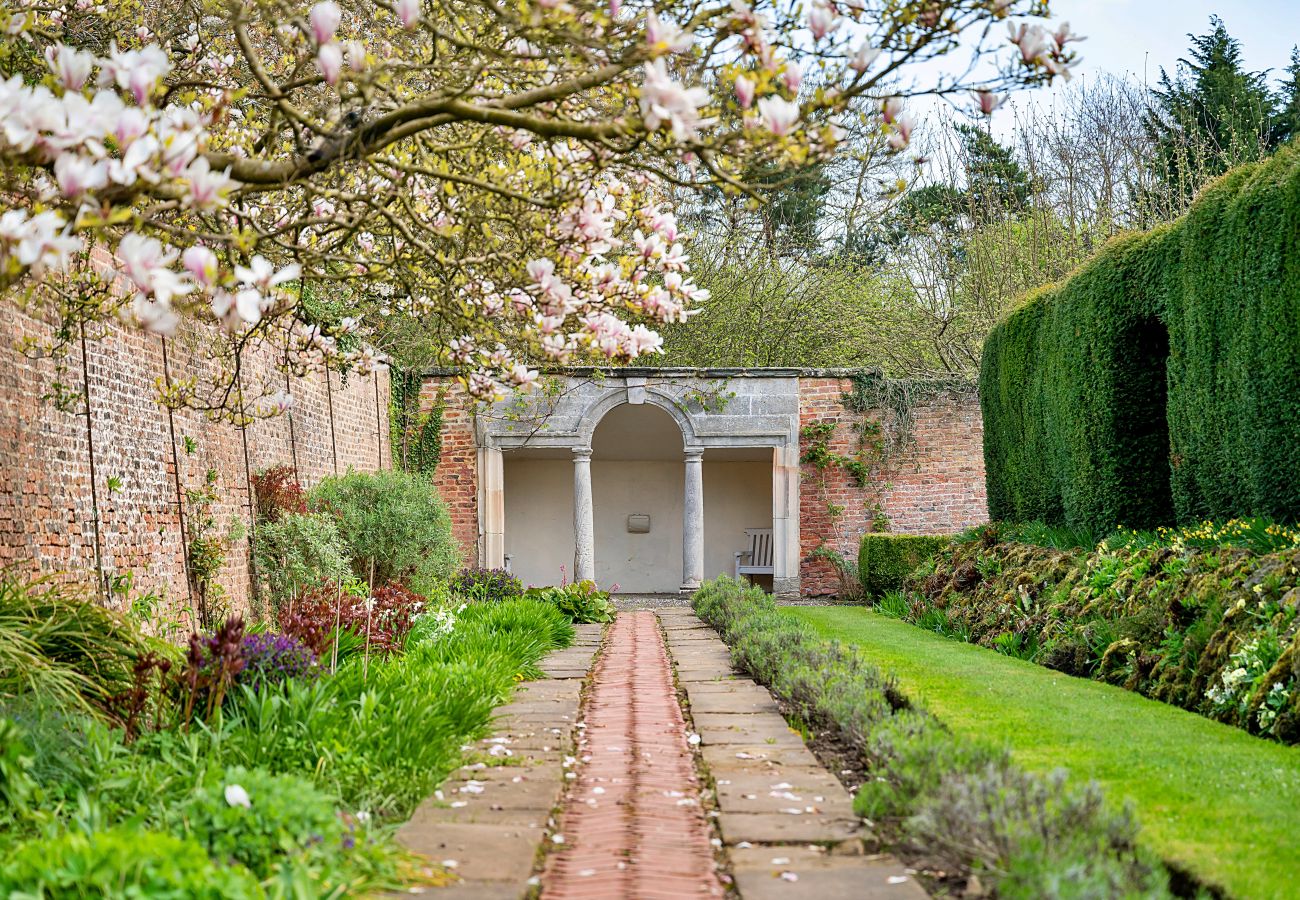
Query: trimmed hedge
964, 804
1157, 384
884, 559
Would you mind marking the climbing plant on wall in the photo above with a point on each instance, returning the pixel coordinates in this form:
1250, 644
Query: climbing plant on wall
415, 435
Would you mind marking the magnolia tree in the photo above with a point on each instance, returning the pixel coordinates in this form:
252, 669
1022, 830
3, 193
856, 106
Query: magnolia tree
500, 171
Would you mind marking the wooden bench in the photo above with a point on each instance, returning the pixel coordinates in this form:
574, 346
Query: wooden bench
757, 560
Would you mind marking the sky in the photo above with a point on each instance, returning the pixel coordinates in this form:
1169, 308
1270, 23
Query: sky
1140, 36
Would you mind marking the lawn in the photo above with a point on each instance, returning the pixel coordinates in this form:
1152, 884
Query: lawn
1212, 799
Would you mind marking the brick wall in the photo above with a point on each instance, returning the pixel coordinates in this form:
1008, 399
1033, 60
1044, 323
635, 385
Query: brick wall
46, 515
935, 485
456, 476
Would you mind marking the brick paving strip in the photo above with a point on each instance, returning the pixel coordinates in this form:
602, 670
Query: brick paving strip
633, 824
786, 822
491, 816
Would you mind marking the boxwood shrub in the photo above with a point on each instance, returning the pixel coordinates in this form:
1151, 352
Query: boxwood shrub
1157, 384
884, 559
965, 804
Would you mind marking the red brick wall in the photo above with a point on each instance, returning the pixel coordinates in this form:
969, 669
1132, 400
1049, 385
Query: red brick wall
456, 476
45, 498
935, 485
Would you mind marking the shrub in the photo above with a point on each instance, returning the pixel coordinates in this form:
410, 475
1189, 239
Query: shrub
479, 585
1031, 836
272, 659
59, 646
121, 862
297, 551
884, 559
392, 522
1200, 617
381, 621
1158, 382
581, 601
277, 493
258, 820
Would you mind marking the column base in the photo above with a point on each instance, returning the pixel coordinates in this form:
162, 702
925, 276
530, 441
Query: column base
689, 588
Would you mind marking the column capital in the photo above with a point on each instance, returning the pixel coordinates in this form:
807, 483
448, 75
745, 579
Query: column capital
694, 454
581, 453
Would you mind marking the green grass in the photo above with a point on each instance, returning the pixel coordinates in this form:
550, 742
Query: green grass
1211, 799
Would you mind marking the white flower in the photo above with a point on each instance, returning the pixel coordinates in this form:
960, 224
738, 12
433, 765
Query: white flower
77, 174
261, 273
237, 796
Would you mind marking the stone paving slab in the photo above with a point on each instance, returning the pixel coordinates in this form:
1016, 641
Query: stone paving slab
491, 819
746, 728
788, 873
775, 801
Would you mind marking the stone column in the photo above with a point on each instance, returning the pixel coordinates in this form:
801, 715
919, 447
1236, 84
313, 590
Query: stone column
785, 520
492, 509
584, 528
693, 521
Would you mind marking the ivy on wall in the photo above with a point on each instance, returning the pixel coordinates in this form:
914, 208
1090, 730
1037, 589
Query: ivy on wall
415, 435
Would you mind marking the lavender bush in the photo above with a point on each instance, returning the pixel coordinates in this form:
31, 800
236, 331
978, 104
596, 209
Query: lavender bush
272, 659
478, 585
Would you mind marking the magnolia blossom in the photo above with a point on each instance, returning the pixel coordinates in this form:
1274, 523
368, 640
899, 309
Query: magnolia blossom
665, 100
779, 115
665, 36
863, 57
792, 76
744, 91
71, 67
261, 273
77, 174
201, 263
408, 12
822, 19
41, 243
136, 71
988, 102
207, 189
329, 58
324, 20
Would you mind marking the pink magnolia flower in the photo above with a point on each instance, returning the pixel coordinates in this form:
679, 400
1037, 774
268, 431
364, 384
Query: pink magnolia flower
207, 189
665, 100
72, 67
200, 262
779, 115
863, 57
792, 76
665, 36
988, 102
324, 19
330, 60
408, 13
744, 91
822, 20
77, 174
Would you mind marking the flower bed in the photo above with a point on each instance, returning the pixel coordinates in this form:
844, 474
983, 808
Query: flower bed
1205, 618
965, 805
246, 768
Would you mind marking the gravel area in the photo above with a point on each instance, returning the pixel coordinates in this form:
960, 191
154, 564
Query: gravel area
633, 602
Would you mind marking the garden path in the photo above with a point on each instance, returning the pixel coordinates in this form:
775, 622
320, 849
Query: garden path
633, 825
